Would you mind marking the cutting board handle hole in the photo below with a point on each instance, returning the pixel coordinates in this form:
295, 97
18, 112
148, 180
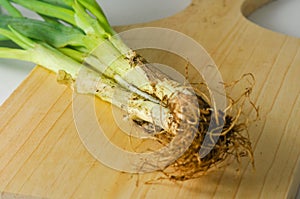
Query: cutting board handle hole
279, 16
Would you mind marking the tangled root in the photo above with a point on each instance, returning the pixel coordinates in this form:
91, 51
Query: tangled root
233, 140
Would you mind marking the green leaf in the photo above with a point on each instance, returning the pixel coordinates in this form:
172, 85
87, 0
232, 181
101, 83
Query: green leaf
47, 9
86, 22
19, 39
56, 35
11, 53
2, 38
62, 3
96, 10
74, 54
23, 39
50, 19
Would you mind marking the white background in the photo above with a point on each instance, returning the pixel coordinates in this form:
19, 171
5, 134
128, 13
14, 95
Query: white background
281, 16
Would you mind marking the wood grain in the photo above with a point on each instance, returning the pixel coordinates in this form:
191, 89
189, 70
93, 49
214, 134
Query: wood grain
41, 154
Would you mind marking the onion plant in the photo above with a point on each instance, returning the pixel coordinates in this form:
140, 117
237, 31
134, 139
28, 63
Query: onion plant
75, 35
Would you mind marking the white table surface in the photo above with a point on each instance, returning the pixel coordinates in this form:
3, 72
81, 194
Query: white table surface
281, 15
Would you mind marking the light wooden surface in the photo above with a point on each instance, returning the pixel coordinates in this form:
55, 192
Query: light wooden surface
41, 154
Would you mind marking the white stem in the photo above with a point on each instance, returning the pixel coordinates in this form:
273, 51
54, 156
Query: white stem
90, 82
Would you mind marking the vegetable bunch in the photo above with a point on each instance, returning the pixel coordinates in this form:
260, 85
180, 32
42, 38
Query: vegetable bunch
74, 36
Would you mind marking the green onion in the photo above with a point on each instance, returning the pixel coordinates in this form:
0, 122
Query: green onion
74, 36
86, 36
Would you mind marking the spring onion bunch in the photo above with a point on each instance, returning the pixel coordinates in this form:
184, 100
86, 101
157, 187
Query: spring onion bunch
75, 34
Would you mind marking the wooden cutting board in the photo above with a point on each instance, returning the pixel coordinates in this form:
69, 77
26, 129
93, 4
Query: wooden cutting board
41, 154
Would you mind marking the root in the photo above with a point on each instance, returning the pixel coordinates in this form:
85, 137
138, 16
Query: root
233, 140
192, 113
